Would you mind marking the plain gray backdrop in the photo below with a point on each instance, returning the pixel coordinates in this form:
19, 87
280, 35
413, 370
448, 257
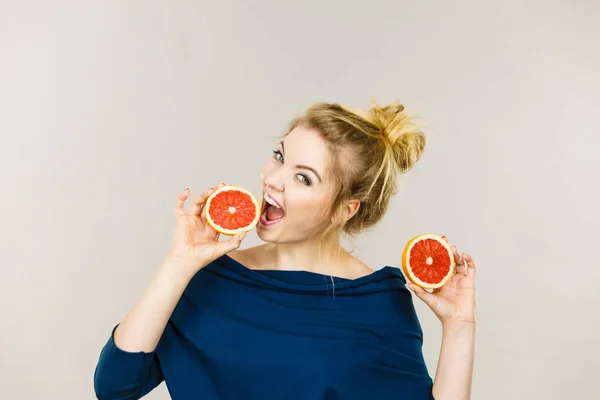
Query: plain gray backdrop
109, 109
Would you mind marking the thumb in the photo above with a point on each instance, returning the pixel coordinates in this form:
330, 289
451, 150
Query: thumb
229, 245
428, 298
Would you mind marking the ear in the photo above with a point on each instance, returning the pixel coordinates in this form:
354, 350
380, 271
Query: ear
350, 208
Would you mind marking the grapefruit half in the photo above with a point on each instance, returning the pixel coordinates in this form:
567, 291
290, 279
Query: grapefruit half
232, 209
427, 261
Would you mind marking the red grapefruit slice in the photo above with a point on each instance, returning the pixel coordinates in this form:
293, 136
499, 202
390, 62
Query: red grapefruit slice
427, 261
232, 209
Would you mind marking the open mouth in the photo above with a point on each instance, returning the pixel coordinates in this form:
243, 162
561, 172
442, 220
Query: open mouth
271, 211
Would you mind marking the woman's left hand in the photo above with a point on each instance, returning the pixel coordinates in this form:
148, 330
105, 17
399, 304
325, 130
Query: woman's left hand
454, 302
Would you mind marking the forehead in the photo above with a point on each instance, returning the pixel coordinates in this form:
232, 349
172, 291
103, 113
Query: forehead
306, 146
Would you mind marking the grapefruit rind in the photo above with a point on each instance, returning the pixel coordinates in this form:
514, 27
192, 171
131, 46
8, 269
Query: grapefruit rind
232, 232
408, 271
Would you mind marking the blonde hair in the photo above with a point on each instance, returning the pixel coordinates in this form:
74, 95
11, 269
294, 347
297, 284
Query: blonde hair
367, 151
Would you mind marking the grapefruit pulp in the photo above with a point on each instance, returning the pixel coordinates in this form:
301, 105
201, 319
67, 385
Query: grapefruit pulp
427, 261
232, 209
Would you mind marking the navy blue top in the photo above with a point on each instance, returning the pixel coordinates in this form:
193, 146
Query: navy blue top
238, 333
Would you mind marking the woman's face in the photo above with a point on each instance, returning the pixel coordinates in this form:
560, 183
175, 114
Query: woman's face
293, 179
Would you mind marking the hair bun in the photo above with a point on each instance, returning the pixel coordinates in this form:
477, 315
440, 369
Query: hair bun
404, 136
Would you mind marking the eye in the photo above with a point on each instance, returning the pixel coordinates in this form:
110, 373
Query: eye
301, 177
278, 156
305, 181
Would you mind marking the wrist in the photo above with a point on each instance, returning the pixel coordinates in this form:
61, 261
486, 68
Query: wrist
178, 269
458, 326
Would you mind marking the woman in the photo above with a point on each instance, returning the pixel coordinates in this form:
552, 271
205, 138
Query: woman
297, 317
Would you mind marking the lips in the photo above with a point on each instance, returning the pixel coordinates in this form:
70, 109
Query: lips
271, 212
270, 200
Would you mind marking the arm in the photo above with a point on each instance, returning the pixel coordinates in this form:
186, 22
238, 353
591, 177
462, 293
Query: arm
195, 244
453, 377
144, 324
128, 367
454, 304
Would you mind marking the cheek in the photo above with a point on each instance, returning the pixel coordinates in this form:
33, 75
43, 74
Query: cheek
309, 207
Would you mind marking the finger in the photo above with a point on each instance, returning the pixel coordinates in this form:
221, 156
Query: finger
229, 245
458, 260
200, 200
471, 269
454, 253
180, 202
424, 295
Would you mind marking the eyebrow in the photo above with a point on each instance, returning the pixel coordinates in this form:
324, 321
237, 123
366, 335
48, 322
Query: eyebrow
302, 166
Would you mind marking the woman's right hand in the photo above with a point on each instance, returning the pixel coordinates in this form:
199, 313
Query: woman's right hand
195, 242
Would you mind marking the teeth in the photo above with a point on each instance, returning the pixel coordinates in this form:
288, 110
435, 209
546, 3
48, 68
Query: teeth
270, 201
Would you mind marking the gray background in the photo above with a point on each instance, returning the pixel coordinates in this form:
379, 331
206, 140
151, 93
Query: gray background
109, 109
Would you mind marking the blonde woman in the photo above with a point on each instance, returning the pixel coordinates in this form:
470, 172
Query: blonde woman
297, 317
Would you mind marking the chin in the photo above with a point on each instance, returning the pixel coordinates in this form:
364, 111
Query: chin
267, 233
276, 233
262, 235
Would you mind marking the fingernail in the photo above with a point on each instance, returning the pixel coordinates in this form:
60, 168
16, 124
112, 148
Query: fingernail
444, 237
211, 188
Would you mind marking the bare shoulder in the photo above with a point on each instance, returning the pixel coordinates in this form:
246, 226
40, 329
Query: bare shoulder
356, 268
249, 257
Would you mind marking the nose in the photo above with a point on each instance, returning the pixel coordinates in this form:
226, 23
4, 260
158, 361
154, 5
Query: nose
274, 180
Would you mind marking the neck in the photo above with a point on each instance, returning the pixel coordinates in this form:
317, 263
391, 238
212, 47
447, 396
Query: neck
305, 256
